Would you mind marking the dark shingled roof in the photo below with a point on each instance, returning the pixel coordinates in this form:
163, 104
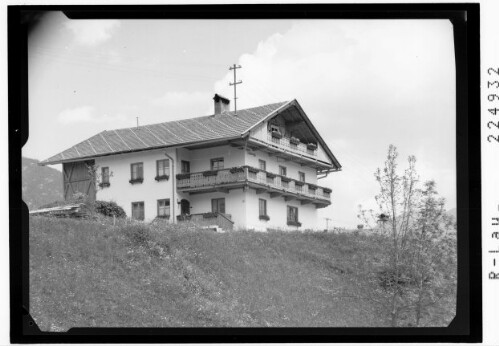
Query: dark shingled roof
172, 133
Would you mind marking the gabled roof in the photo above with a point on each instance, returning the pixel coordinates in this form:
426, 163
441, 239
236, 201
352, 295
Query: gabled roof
193, 131
173, 133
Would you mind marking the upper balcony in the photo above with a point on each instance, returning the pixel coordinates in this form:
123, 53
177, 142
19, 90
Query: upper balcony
291, 148
262, 181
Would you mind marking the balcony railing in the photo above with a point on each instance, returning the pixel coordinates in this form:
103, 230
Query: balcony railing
287, 143
208, 219
254, 176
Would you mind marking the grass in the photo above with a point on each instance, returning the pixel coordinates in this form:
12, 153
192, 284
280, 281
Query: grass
93, 274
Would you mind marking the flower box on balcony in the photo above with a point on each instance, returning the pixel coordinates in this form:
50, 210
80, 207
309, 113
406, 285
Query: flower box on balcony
183, 176
311, 146
294, 141
234, 170
285, 179
294, 223
276, 134
209, 173
326, 190
162, 177
166, 217
103, 185
209, 215
264, 217
312, 187
270, 175
299, 183
136, 181
253, 170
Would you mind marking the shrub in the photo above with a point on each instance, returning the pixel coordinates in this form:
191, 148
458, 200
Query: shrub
109, 209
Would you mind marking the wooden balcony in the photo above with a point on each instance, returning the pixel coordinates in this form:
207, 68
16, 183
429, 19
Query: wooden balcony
209, 219
276, 185
287, 143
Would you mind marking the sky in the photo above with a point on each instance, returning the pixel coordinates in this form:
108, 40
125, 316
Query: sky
365, 84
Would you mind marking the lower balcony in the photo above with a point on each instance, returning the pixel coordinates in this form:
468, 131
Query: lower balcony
209, 219
276, 185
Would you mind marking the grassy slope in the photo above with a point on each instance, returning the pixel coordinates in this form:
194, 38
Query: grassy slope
86, 273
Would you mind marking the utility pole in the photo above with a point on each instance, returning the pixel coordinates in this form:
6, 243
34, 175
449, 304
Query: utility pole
235, 67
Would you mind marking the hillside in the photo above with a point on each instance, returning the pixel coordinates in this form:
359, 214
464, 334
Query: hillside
40, 184
85, 273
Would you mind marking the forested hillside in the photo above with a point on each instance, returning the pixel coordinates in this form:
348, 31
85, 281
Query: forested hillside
40, 184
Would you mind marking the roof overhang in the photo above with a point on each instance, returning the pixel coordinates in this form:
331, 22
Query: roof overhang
193, 144
294, 103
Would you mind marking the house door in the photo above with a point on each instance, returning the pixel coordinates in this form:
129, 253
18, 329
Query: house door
185, 207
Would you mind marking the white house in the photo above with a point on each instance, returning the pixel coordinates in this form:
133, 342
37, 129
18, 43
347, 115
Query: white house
254, 169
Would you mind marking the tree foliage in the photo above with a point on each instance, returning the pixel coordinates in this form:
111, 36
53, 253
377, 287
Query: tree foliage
418, 266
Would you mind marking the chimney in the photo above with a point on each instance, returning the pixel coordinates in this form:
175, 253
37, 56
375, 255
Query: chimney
222, 104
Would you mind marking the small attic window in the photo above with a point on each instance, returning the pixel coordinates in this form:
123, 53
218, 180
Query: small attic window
274, 128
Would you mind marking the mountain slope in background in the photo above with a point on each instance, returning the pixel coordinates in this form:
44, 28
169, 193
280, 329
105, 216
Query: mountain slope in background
40, 184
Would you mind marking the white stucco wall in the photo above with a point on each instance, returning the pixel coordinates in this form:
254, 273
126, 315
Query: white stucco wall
273, 164
235, 202
277, 211
241, 205
124, 193
200, 159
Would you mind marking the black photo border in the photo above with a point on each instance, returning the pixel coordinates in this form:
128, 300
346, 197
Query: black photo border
467, 325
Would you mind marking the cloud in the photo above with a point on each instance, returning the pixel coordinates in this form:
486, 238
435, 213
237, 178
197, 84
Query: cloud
86, 114
369, 84
92, 32
179, 104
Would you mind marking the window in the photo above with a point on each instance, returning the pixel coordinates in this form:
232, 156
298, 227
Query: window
185, 167
299, 188
105, 176
292, 215
218, 205
285, 183
262, 209
217, 164
262, 164
164, 208
162, 168
301, 176
138, 210
137, 172
274, 128
282, 170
